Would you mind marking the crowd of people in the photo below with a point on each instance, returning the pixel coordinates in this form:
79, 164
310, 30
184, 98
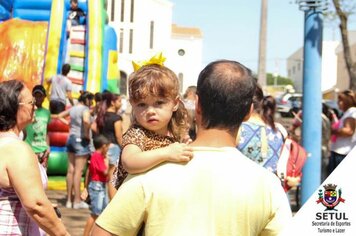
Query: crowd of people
183, 159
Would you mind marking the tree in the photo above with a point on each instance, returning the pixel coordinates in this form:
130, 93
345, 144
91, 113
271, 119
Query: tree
343, 9
272, 80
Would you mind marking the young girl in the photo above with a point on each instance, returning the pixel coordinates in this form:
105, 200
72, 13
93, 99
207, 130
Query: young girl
345, 131
159, 122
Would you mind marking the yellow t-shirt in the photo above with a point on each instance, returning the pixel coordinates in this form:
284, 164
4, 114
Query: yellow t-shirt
219, 192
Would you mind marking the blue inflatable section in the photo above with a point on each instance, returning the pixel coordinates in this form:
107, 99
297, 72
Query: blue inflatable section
7, 4
110, 40
5, 9
34, 10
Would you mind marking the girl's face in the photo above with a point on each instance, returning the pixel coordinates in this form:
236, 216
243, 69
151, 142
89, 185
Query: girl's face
154, 113
117, 103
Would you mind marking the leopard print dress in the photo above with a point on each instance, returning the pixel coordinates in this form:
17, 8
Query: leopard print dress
146, 140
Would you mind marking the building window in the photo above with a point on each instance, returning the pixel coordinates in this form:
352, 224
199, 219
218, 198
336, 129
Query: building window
132, 11
131, 41
293, 70
121, 45
298, 66
180, 79
122, 10
152, 28
123, 83
112, 10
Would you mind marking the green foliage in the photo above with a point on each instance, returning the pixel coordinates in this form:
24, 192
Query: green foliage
280, 80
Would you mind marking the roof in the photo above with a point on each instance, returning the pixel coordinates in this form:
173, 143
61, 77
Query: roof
186, 31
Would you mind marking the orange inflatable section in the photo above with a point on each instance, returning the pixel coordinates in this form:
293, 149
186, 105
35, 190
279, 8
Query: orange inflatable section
22, 50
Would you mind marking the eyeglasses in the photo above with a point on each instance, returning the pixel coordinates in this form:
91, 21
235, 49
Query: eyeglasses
32, 102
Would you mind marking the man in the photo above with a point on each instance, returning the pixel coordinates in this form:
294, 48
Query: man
60, 91
220, 191
36, 133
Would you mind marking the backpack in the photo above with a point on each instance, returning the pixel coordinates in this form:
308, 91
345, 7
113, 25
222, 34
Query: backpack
290, 163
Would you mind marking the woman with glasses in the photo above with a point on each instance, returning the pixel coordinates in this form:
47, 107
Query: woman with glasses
345, 130
24, 206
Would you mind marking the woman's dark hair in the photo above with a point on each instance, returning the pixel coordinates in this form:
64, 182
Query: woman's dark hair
268, 110
9, 103
98, 97
107, 99
100, 140
348, 97
258, 99
84, 96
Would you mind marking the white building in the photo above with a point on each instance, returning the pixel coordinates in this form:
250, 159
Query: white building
144, 28
328, 67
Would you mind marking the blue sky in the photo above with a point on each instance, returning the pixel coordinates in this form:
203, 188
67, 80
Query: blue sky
231, 29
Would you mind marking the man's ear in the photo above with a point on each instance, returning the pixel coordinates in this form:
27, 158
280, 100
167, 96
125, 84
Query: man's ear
248, 115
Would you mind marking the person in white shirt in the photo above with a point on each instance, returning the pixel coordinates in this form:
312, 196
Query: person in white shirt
345, 130
61, 89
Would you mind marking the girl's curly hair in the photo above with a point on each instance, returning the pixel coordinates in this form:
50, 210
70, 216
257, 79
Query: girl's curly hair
159, 81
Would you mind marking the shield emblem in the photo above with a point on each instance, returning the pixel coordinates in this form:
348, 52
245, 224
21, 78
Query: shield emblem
330, 196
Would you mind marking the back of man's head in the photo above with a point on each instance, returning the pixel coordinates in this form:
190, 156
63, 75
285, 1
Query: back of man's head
225, 90
65, 69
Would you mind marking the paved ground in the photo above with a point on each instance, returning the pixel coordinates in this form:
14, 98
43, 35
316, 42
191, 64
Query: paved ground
73, 219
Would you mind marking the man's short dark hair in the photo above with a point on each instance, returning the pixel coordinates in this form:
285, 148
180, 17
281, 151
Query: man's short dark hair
225, 90
100, 140
9, 103
65, 69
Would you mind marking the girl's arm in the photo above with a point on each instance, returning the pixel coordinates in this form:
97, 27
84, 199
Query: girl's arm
24, 176
347, 130
61, 116
134, 160
118, 132
86, 124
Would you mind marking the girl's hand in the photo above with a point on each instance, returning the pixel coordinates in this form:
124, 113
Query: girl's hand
179, 152
187, 139
84, 195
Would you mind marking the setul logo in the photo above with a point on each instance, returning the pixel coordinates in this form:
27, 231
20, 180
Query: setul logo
330, 197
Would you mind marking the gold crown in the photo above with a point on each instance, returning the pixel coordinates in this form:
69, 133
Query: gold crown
330, 187
157, 59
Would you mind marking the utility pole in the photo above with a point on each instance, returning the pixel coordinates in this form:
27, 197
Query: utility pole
311, 127
262, 45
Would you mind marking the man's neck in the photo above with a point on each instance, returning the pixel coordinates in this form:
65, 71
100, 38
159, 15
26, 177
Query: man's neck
214, 138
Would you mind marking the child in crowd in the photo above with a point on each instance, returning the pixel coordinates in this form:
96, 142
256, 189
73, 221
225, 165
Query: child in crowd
36, 132
98, 177
159, 122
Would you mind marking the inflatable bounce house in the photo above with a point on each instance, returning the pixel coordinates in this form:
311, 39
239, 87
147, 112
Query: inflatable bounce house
36, 39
